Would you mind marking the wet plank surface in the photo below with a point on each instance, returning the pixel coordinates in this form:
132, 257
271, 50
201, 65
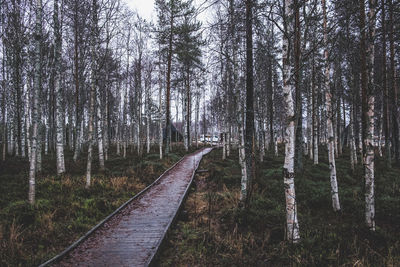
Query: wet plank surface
132, 236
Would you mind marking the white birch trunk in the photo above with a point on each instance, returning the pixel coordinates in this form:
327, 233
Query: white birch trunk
160, 122
58, 94
262, 142
228, 150
23, 134
196, 123
243, 191
93, 65
148, 132
36, 92
28, 119
105, 135
185, 120
78, 140
353, 152
39, 147
223, 146
148, 117
330, 133
46, 136
100, 131
292, 225
117, 136
315, 124
310, 123
369, 141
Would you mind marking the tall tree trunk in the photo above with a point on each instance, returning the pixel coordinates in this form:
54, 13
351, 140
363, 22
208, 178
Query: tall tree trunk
168, 91
58, 92
106, 121
328, 96
339, 122
100, 130
188, 109
249, 123
160, 122
28, 117
386, 109
369, 141
35, 107
125, 99
148, 115
310, 137
353, 153
196, 123
3, 104
78, 129
299, 100
394, 89
93, 67
292, 230
367, 61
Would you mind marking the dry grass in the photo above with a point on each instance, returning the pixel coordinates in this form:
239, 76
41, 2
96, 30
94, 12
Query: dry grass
15, 240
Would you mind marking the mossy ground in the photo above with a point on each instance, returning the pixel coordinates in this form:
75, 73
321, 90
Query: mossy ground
213, 231
64, 210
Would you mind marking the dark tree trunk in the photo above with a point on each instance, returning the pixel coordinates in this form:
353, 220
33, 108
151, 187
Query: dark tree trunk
395, 108
249, 126
297, 83
386, 110
168, 91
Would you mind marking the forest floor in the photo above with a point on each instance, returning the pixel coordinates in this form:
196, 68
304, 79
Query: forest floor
212, 231
64, 209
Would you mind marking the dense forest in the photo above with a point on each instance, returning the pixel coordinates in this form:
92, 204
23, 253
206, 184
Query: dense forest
305, 91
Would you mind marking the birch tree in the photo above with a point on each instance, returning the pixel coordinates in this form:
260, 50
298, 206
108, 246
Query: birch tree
292, 225
35, 107
328, 99
58, 91
367, 48
93, 72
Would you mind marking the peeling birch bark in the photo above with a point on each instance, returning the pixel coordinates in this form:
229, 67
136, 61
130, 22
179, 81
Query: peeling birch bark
36, 92
292, 225
331, 137
369, 156
58, 94
100, 131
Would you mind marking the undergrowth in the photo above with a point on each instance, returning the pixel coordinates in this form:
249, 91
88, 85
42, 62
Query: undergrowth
64, 210
213, 231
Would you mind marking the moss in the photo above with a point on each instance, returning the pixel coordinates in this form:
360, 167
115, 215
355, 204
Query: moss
64, 209
232, 236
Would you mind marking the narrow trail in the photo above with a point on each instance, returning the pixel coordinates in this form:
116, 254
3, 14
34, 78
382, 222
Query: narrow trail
133, 235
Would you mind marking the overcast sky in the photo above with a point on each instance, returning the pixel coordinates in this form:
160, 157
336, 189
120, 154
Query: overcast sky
145, 8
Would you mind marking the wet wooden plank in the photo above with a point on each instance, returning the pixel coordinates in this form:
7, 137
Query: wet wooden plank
133, 235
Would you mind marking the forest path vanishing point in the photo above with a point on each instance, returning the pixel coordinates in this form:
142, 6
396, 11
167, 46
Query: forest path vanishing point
132, 235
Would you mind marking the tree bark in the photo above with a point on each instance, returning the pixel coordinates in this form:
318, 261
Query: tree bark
35, 107
292, 230
168, 91
100, 131
76, 81
394, 89
367, 61
297, 83
249, 123
328, 98
386, 109
58, 92
93, 67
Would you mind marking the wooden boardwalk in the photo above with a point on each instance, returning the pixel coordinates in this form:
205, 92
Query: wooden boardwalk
133, 235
